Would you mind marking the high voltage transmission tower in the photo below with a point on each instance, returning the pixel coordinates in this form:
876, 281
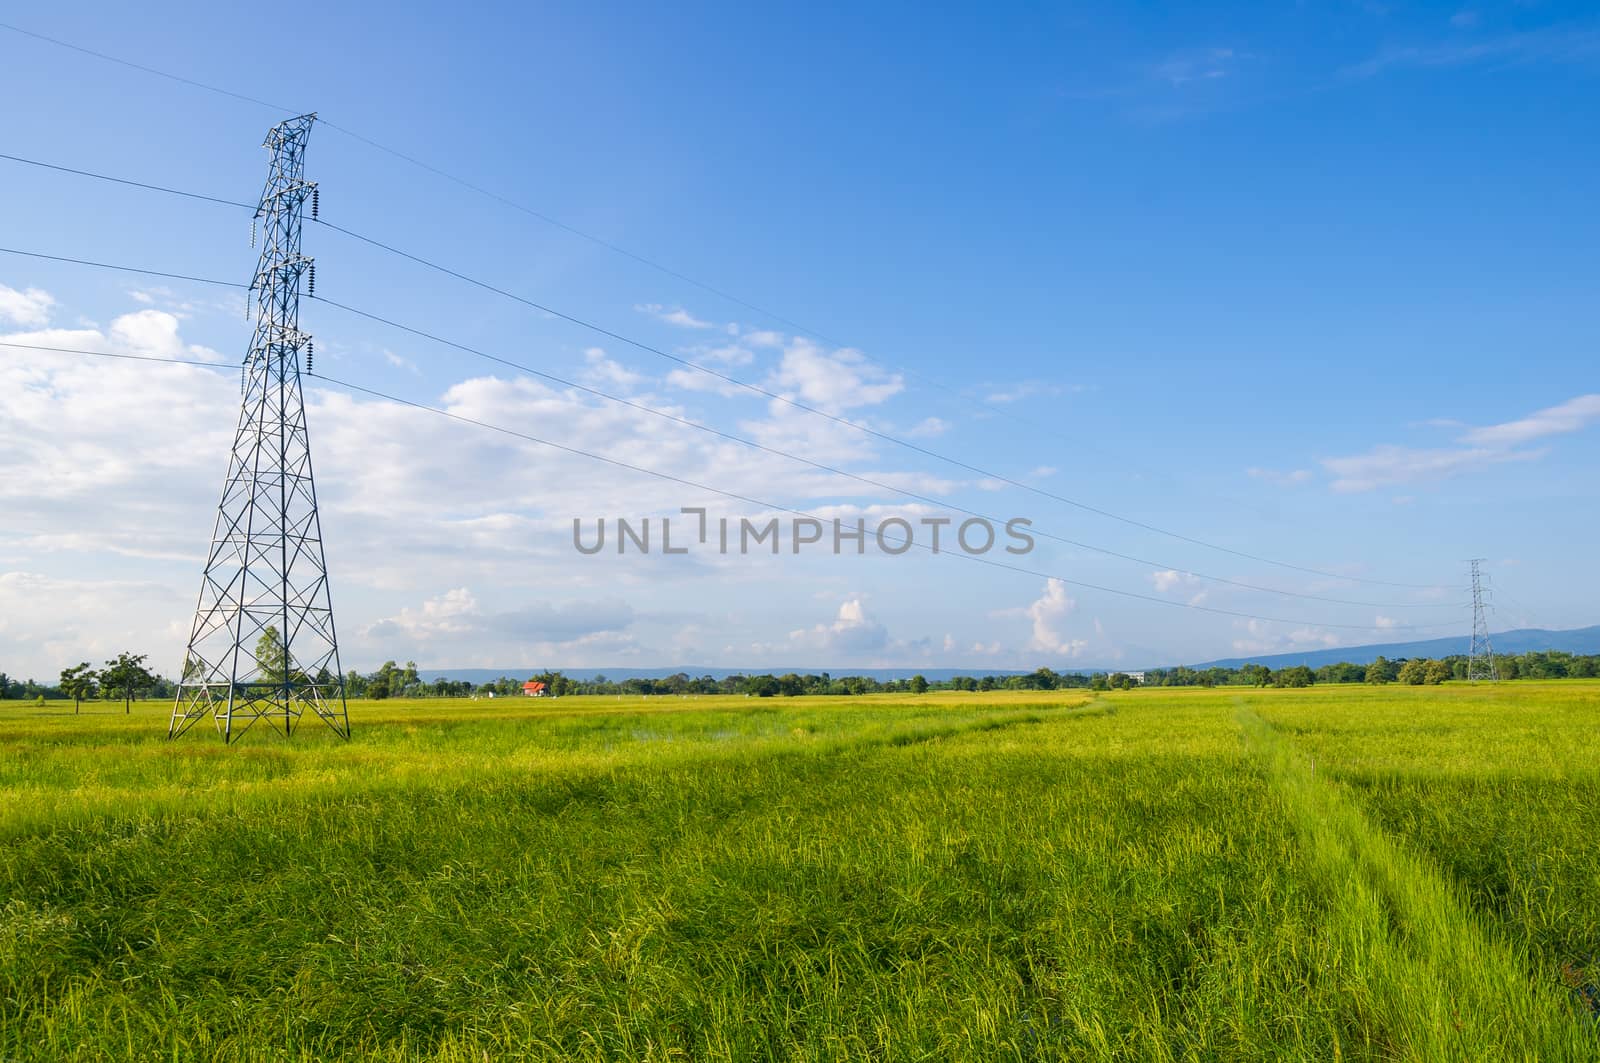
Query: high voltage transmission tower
1480, 655
263, 646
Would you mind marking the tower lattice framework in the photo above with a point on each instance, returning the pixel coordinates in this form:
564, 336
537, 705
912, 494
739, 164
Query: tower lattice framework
1480, 655
263, 645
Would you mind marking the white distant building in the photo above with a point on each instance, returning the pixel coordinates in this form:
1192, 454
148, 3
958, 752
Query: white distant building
1137, 677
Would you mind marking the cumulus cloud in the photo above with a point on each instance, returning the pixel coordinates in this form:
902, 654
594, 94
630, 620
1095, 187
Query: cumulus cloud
1047, 613
29, 308
851, 632
1186, 583
601, 369
402, 491
1166, 581
833, 380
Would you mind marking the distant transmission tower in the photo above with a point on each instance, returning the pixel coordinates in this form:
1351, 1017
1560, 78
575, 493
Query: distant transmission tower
263, 646
1480, 655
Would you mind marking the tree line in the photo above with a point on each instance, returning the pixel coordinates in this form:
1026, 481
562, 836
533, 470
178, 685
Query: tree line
125, 678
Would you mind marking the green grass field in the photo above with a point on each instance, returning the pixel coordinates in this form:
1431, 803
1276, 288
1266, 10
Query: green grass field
1332, 873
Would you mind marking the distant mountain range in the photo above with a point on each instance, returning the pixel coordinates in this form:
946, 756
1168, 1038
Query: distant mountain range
1581, 640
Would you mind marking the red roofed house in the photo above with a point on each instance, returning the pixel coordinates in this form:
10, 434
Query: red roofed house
534, 689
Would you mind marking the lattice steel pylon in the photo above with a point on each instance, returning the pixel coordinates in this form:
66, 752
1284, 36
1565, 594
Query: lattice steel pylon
1480, 655
263, 645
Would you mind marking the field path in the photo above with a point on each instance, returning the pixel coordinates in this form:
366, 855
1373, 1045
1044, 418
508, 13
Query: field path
1425, 968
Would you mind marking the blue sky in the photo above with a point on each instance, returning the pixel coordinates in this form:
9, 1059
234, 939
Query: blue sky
1312, 283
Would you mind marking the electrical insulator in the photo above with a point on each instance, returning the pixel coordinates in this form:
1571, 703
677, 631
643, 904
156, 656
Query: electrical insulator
316, 197
252, 234
313, 284
241, 380
311, 354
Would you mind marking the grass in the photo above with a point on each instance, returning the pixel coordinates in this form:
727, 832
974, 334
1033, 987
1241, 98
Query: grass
1331, 873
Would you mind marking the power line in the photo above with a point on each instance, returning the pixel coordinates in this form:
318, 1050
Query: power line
420, 164
123, 269
846, 422
716, 291
746, 385
683, 481
524, 368
251, 207
146, 69
824, 467
126, 181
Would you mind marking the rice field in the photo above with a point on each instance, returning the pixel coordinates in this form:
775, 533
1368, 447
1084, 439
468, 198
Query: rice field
1232, 874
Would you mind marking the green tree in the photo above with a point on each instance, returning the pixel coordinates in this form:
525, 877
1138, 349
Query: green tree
1257, 675
919, 684
77, 683
126, 676
1436, 672
272, 657
1298, 676
1413, 672
1378, 672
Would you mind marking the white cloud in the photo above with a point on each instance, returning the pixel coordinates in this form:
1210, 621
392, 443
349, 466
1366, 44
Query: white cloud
403, 492
852, 632
56, 621
1385, 623
763, 338
1172, 580
29, 308
1570, 416
727, 354
841, 380
1047, 612
1480, 448
1261, 636
927, 428
674, 316
1387, 465
600, 369
455, 618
